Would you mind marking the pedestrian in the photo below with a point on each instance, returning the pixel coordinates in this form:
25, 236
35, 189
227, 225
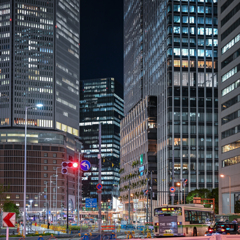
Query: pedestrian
48, 225
194, 231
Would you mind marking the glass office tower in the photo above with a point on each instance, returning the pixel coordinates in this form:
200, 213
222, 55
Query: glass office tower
179, 53
40, 64
101, 102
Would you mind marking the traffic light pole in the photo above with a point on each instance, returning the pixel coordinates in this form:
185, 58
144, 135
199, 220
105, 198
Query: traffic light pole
78, 187
99, 181
67, 204
147, 201
151, 220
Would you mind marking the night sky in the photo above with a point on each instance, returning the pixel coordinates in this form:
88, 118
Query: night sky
101, 39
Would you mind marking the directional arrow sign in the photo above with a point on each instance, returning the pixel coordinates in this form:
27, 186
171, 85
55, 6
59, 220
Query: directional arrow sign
9, 219
85, 165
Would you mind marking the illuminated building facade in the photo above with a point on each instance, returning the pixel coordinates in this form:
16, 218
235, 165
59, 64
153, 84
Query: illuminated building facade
172, 47
101, 102
139, 157
229, 104
40, 64
39, 50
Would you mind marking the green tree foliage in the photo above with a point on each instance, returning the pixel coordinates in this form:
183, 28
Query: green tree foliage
237, 207
10, 206
204, 193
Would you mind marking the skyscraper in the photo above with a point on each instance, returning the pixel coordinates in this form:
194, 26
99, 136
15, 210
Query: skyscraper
229, 104
40, 64
39, 48
101, 102
170, 51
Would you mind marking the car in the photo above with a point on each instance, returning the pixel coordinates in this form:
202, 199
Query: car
224, 228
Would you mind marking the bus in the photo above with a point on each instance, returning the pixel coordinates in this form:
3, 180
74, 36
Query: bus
182, 220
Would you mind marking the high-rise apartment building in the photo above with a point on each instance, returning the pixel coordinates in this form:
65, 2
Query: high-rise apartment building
229, 104
39, 48
170, 51
101, 102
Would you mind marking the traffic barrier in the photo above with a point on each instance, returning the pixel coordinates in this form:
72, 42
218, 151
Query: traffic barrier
52, 237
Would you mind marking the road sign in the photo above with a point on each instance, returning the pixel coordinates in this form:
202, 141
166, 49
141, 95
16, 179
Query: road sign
172, 194
99, 191
91, 202
85, 165
99, 186
172, 189
9, 219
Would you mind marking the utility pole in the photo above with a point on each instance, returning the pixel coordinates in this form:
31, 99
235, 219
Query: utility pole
79, 162
151, 199
129, 219
67, 203
99, 181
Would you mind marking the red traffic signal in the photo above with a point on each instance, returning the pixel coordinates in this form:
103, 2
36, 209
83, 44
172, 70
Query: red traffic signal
64, 164
75, 165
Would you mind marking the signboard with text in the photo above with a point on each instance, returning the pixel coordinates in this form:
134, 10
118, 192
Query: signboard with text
91, 202
168, 225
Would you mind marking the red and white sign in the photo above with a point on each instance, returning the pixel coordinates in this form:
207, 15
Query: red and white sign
172, 189
9, 219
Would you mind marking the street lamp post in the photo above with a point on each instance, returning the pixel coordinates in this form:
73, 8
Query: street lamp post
50, 195
229, 184
129, 220
25, 168
56, 190
39, 203
46, 204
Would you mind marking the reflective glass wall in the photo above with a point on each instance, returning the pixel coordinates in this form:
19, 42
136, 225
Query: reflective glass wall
101, 102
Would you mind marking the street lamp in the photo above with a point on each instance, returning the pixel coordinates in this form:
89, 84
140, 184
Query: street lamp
178, 184
25, 168
31, 201
229, 183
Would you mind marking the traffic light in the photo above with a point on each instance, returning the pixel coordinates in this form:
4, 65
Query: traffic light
184, 182
62, 205
66, 165
75, 165
145, 192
